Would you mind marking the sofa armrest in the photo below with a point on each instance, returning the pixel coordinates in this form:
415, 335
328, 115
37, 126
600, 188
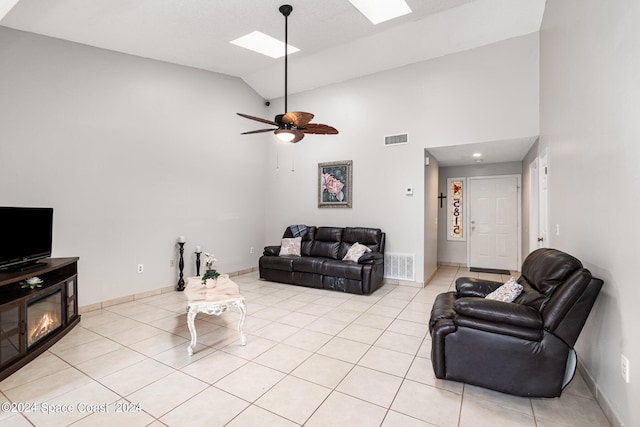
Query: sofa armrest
371, 258
472, 287
271, 251
506, 313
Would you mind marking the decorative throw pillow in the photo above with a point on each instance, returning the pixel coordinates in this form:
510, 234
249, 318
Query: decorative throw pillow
355, 252
290, 246
507, 292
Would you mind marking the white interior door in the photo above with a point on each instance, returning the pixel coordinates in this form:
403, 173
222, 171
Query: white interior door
538, 207
494, 222
534, 204
543, 204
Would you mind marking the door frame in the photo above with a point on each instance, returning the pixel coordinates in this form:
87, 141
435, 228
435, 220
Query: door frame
467, 220
539, 202
534, 204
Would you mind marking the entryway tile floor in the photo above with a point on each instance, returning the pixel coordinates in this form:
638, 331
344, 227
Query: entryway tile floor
313, 358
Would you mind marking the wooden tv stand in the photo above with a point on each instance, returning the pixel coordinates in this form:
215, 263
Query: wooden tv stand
26, 328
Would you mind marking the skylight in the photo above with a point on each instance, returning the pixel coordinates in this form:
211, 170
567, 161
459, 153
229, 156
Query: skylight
264, 44
6, 6
378, 11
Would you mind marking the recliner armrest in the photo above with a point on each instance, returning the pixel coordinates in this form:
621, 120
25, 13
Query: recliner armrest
271, 251
472, 287
499, 312
371, 258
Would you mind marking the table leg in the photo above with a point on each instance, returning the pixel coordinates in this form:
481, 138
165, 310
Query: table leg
243, 316
191, 317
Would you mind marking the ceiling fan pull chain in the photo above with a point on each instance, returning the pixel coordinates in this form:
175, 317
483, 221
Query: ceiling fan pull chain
293, 152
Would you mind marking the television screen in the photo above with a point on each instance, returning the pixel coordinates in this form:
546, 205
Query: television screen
25, 235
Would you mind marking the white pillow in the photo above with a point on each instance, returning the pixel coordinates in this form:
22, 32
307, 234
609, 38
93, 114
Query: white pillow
507, 292
290, 246
355, 252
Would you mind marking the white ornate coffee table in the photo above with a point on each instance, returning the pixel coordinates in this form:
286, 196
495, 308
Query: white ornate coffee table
212, 301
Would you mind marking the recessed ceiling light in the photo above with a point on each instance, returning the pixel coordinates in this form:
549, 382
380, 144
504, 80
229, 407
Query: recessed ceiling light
477, 154
378, 11
264, 44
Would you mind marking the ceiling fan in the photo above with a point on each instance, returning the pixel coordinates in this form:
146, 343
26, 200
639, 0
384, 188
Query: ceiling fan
291, 126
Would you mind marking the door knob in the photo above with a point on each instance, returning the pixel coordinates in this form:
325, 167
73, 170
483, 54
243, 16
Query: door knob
540, 239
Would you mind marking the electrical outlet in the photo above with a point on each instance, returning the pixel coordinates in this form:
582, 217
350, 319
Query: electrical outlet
172, 263
252, 250
140, 268
624, 368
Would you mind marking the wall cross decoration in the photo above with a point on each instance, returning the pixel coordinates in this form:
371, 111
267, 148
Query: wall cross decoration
441, 197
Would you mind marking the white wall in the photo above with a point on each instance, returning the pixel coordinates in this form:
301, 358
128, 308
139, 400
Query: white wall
526, 199
431, 204
130, 153
590, 104
484, 94
455, 252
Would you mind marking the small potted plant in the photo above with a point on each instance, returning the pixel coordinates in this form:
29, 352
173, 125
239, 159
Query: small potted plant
31, 283
210, 276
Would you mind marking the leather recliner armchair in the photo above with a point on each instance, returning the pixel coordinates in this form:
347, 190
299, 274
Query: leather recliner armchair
524, 347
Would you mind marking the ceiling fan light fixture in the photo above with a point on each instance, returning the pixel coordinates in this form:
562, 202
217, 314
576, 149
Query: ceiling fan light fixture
285, 135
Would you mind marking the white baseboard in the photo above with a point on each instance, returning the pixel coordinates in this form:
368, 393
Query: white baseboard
600, 398
133, 297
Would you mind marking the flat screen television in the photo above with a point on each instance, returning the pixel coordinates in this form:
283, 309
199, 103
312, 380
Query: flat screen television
25, 236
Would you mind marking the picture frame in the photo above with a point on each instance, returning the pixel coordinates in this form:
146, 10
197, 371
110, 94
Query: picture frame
335, 184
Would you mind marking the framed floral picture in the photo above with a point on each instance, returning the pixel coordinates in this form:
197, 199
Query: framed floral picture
334, 184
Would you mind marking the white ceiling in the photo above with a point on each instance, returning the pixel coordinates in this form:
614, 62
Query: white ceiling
337, 42
508, 150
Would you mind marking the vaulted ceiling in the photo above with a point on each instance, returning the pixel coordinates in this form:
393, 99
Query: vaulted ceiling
337, 42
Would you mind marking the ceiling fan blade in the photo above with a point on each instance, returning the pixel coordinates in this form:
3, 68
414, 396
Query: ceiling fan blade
257, 119
319, 129
297, 118
298, 137
257, 131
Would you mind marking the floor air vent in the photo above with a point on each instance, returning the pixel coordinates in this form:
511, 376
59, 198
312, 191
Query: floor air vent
396, 139
399, 266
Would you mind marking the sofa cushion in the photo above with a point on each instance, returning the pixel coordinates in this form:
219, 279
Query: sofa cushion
309, 264
340, 268
307, 241
507, 292
290, 246
355, 252
327, 242
284, 263
545, 269
370, 237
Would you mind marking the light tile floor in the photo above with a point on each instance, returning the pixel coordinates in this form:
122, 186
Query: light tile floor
313, 357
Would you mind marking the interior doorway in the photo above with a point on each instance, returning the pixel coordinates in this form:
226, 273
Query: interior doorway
538, 202
494, 222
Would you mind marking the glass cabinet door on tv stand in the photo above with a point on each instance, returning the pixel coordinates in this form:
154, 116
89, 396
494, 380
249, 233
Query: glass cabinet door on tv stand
11, 336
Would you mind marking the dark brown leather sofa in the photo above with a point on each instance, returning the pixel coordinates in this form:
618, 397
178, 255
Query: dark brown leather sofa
525, 347
320, 264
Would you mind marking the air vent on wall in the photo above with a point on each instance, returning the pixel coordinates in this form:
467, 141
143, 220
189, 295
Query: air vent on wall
396, 139
399, 266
